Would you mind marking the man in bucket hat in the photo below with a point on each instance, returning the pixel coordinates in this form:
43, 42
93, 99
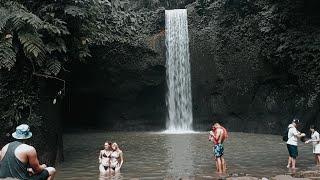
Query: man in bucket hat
19, 160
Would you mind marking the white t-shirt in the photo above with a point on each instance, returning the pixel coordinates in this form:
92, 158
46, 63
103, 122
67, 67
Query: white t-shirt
292, 135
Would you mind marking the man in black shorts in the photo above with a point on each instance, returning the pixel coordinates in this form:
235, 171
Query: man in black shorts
19, 160
292, 143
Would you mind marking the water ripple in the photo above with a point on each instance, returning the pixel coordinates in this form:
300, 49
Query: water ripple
173, 156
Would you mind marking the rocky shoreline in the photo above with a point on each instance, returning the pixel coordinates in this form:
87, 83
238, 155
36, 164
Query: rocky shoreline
301, 175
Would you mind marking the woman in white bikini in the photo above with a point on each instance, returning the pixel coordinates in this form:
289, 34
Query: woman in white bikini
116, 158
315, 139
104, 159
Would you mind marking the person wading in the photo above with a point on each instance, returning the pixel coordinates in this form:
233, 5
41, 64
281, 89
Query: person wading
292, 143
315, 139
19, 160
218, 135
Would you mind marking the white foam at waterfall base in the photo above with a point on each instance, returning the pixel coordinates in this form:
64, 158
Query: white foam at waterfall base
179, 132
179, 100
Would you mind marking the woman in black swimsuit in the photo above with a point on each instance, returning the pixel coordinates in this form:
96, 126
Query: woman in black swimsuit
104, 159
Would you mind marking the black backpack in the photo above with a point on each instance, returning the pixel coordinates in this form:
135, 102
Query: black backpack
285, 135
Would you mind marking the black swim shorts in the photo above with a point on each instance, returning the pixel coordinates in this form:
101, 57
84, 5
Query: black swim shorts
43, 175
293, 151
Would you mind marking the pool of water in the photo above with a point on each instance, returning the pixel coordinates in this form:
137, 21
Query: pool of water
173, 156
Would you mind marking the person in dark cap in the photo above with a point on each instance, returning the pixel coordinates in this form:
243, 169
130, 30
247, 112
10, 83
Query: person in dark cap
292, 143
19, 160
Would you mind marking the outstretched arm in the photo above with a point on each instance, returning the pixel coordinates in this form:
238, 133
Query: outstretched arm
315, 140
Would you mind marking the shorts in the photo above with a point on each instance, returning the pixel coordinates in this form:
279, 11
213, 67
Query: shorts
293, 151
43, 175
218, 150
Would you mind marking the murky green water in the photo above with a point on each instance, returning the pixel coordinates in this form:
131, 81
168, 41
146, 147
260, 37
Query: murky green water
168, 156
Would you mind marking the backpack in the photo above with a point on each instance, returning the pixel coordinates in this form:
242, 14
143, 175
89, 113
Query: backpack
285, 135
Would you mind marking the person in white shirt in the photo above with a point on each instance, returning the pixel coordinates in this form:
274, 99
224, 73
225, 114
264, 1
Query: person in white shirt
292, 143
315, 139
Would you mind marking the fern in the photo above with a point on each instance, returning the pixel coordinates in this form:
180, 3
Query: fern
33, 46
59, 45
75, 11
4, 17
7, 54
53, 67
30, 19
52, 29
61, 25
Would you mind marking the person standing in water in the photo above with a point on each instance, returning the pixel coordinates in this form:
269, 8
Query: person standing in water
292, 143
218, 135
315, 139
116, 158
104, 159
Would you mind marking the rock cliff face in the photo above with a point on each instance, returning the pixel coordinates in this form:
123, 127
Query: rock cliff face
232, 80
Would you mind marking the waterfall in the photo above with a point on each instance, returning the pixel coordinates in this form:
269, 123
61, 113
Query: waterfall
179, 101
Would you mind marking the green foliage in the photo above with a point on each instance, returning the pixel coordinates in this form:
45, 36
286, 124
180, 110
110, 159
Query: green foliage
38, 39
36, 46
33, 46
54, 66
75, 11
7, 54
283, 34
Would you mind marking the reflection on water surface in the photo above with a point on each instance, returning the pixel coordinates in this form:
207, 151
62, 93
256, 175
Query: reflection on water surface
161, 156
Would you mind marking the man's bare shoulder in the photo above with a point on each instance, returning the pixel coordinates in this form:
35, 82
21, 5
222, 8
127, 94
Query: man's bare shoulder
5, 147
26, 147
219, 130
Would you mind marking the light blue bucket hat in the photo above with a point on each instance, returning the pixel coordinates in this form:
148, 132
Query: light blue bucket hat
22, 132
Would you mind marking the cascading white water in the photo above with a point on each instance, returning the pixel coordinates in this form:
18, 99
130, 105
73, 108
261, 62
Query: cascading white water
179, 100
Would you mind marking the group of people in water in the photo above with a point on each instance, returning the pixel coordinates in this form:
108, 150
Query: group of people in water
110, 159
219, 134
19, 160
292, 143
